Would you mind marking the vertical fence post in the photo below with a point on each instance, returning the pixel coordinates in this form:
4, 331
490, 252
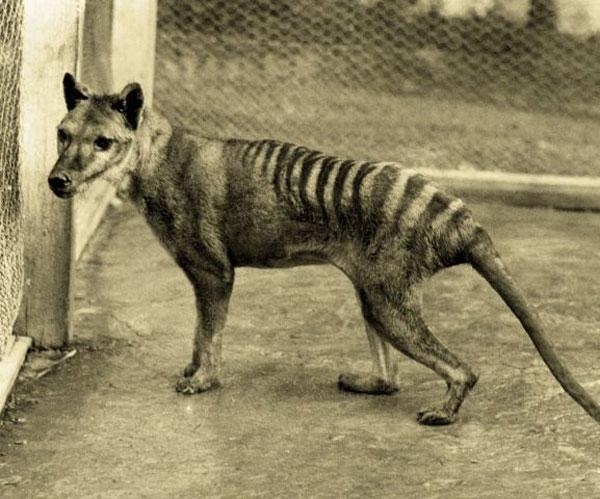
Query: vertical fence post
50, 41
117, 47
120, 40
95, 71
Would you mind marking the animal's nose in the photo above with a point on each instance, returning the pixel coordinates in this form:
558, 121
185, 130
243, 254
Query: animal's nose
59, 181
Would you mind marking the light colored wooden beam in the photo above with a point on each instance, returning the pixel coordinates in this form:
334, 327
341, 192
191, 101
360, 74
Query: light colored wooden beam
95, 71
50, 39
118, 43
11, 364
551, 191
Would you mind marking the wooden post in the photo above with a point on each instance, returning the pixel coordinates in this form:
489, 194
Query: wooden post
95, 71
50, 39
118, 38
117, 47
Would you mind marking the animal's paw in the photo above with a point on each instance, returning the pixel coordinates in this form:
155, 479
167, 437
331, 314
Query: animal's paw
365, 383
435, 417
196, 384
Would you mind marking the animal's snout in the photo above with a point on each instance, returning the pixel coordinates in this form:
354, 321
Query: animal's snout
60, 183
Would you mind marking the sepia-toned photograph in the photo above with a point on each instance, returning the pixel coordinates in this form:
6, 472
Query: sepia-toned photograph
299, 249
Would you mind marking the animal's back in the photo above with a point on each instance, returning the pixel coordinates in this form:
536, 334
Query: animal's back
376, 205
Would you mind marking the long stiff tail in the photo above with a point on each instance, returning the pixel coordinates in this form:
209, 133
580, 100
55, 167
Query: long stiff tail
486, 261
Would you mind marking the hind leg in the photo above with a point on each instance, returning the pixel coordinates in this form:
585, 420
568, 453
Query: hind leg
399, 321
383, 378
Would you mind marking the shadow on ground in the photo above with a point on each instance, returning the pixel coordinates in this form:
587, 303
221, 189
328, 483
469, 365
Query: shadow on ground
108, 423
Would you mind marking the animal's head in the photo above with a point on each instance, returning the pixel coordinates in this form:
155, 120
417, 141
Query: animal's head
96, 136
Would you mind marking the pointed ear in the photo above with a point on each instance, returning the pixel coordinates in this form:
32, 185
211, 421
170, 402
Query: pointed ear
74, 92
130, 103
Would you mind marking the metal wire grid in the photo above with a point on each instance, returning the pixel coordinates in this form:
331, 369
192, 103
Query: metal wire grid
388, 79
11, 258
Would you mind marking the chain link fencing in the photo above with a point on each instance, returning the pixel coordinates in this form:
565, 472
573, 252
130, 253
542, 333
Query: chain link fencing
11, 254
509, 85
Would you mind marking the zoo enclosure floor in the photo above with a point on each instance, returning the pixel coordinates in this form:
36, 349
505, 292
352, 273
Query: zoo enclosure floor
108, 423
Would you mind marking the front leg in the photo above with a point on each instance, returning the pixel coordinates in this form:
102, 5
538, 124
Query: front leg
212, 302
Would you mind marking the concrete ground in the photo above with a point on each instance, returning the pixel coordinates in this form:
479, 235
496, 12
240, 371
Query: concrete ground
108, 423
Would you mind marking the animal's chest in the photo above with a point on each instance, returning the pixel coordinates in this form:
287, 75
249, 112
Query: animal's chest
168, 221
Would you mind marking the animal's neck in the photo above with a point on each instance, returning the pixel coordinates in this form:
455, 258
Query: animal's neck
151, 139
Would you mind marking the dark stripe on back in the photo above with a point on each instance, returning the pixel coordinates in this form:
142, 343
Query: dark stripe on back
252, 157
338, 188
322, 179
447, 251
437, 205
295, 158
382, 186
280, 162
355, 205
414, 187
250, 147
265, 164
307, 166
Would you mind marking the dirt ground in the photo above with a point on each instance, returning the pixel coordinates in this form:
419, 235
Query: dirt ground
108, 423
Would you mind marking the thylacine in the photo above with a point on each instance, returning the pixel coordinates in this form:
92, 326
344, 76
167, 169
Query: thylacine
219, 204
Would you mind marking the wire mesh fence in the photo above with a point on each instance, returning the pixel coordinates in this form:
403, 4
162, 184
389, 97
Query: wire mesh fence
471, 84
11, 258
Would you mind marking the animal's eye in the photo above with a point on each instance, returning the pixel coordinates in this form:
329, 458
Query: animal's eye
62, 135
102, 143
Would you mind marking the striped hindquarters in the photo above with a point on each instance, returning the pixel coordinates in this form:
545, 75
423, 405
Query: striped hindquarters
371, 201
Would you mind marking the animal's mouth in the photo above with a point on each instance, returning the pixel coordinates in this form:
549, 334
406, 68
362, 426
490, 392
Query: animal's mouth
64, 193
